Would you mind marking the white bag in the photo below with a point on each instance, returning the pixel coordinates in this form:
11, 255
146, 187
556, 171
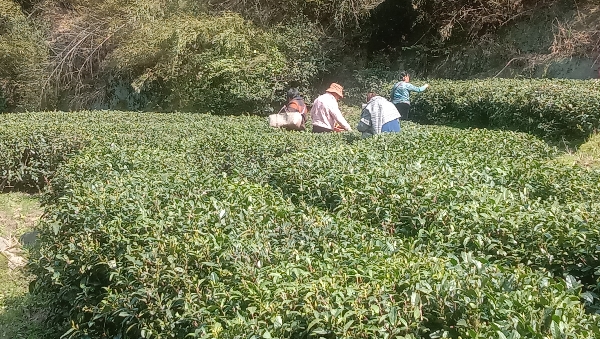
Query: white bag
287, 120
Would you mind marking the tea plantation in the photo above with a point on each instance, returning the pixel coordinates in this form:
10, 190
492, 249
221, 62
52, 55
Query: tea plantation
195, 226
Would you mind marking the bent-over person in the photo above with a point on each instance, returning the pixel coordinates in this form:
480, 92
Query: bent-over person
295, 103
378, 116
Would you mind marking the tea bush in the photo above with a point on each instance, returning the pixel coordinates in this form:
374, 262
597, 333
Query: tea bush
174, 225
32, 149
548, 108
488, 193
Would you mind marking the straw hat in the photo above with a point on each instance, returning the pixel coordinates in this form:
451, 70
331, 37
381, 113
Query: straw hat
336, 88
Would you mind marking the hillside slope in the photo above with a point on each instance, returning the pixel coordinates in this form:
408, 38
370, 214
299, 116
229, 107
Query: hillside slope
561, 40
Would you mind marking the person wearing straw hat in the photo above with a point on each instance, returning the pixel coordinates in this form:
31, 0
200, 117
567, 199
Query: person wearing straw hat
325, 112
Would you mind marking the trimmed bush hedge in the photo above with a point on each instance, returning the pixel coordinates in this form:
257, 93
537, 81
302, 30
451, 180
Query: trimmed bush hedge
548, 108
492, 193
32, 149
167, 226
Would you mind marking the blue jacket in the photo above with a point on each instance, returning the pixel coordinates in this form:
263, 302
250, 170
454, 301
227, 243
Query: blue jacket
400, 92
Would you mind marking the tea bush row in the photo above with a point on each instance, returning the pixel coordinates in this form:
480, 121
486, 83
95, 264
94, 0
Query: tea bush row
188, 225
493, 193
545, 107
30, 152
142, 245
33, 145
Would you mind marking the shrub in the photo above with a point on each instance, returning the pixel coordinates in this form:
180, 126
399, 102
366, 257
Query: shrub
159, 55
344, 15
31, 150
22, 61
217, 63
223, 63
480, 191
173, 225
2, 102
471, 17
548, 108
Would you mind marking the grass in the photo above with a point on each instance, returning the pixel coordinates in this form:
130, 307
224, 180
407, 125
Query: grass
20, 314
588, 154
18, 213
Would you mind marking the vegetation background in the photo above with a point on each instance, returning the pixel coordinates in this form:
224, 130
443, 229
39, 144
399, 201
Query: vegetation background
240, 55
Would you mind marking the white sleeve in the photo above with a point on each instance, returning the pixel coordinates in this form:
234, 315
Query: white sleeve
337, 114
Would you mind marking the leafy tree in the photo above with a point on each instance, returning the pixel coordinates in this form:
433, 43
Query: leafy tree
471, 17
342, 14
211, 63
174, 55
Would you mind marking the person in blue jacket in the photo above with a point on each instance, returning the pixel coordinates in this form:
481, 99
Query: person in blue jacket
400, 94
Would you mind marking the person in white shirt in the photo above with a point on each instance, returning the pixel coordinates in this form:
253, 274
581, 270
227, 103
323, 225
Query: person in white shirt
325, 112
